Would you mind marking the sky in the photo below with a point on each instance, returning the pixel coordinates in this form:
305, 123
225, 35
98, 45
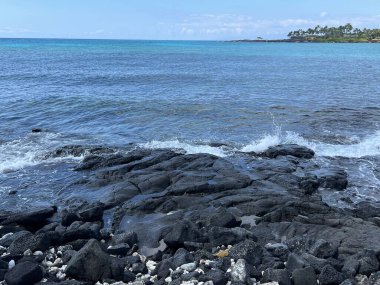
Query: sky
178, 19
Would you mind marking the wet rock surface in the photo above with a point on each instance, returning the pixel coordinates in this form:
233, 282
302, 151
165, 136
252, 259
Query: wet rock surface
166, 217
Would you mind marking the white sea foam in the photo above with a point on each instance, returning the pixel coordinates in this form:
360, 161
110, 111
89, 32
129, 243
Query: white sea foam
27, 151
189, 148
276, 138
368, 146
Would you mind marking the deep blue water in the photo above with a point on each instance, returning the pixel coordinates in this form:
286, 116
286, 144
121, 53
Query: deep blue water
186, 94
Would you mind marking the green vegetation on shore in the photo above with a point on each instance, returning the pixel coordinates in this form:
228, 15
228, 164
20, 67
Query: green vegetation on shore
341, 34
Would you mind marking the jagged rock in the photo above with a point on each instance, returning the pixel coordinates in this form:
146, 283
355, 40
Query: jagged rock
129, 238
90, 263
278, 250
289, 149
316, 263
119, 249
368, 263
92, 214
247, 250
139, 268
31, 242
182, 232
295, 262
223, 236
79, 230
335, 179
279, 275
224, 219
163, 269
182, 256
69, 217
217, 276
329, 276
323, 249
303, 276
24, 273
33, 219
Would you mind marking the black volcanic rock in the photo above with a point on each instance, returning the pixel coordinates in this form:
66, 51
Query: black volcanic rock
29, 241
303, 276
279, 275
165, 204
24, 273
247, 250
329, 276
335, 179
181, 233
33, 219
289, 149
89, 264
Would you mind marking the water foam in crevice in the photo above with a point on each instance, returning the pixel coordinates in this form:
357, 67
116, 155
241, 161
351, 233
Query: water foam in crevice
189, 148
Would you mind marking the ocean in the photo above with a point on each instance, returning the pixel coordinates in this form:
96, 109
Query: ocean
203, 97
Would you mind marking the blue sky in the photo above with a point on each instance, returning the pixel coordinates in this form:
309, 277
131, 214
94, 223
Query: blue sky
178, 19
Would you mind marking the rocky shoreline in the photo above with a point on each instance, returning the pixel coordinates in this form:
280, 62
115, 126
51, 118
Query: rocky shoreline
166, 217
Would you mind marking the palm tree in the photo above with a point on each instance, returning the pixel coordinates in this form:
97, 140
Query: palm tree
348, 29
317, 30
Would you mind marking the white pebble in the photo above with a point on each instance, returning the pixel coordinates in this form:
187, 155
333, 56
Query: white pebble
38, 253
28, 252
61, 276
52, 250
168, 279
58, 261
11, 264
47, 263
189, 266
151, 265
54, 269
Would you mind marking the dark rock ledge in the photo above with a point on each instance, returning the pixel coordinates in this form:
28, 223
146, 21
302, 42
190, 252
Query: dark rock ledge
196, 219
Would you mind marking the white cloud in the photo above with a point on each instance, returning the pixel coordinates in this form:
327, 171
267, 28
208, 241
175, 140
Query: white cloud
13, 31
226, 26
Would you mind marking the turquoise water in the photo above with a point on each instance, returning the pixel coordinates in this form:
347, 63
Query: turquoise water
139, 91
187, 95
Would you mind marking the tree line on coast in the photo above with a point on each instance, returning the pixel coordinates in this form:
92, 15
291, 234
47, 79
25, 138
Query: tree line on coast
345, 33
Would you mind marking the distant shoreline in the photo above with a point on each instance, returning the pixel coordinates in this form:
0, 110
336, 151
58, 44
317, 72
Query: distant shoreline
308, 41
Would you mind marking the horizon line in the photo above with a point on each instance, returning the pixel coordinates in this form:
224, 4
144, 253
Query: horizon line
110, 39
